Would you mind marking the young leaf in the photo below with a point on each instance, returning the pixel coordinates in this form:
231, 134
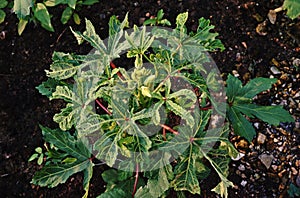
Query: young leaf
239, 104
92, 37
21, 25
206, 38
66, 15
181, 20
292, 7
22, 8
33, 157
72, 4
2, 16
42, 14
76, 18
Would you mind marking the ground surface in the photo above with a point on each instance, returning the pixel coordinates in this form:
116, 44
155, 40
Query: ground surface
251, 50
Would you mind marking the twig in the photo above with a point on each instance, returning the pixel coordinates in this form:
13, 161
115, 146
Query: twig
136, 179
169, 129
103, 107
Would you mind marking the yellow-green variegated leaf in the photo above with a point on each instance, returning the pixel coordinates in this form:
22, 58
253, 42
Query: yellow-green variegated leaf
183, 113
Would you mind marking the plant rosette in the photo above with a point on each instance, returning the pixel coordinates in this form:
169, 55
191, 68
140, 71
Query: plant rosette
154, 123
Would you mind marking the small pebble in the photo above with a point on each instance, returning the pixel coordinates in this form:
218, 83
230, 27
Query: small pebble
266, 160
261, 138
241, 167
243, 183
274, 70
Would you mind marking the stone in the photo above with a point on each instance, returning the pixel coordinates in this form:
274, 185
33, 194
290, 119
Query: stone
261, 138
266, 159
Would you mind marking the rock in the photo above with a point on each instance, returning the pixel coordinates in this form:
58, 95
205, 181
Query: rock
241, 167
266, 159
261, 138
272, 16
243, 183
294, 171
274, 70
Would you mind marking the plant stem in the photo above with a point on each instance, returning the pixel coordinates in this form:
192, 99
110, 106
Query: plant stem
169, 129
118, 73
103, 107
136, 179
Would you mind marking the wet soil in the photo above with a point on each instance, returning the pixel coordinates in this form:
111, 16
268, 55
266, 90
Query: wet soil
23, 59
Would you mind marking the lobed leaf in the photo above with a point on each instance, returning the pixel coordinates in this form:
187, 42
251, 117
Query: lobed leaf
256, 86
53, 174
67, 143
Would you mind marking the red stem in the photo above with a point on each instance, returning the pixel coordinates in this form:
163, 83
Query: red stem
136, 179
169, 129
164, 134
118, 73
103, 107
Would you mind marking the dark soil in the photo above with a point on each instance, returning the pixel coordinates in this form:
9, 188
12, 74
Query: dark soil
23, 60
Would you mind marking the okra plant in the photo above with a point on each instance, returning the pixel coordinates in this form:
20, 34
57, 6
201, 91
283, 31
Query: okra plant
149, 103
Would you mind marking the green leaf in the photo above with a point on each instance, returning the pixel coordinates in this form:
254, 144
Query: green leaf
76, 18
115, 192
270, 114
69, 160
3, 3
21, 25
87, 176
186, 177
51, 3
107, 147
116, 26
40, 159
39, 150
92, 37
293, 191
22, 8
67, 143
90, 2
33, 157
221, 189
256, 86
42, 14
156, 116
2, 16
183, 113
48, 87
292, 7
66, 15
53, 174
72, 3
155, 186
233, 87
241, 125
181, 20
